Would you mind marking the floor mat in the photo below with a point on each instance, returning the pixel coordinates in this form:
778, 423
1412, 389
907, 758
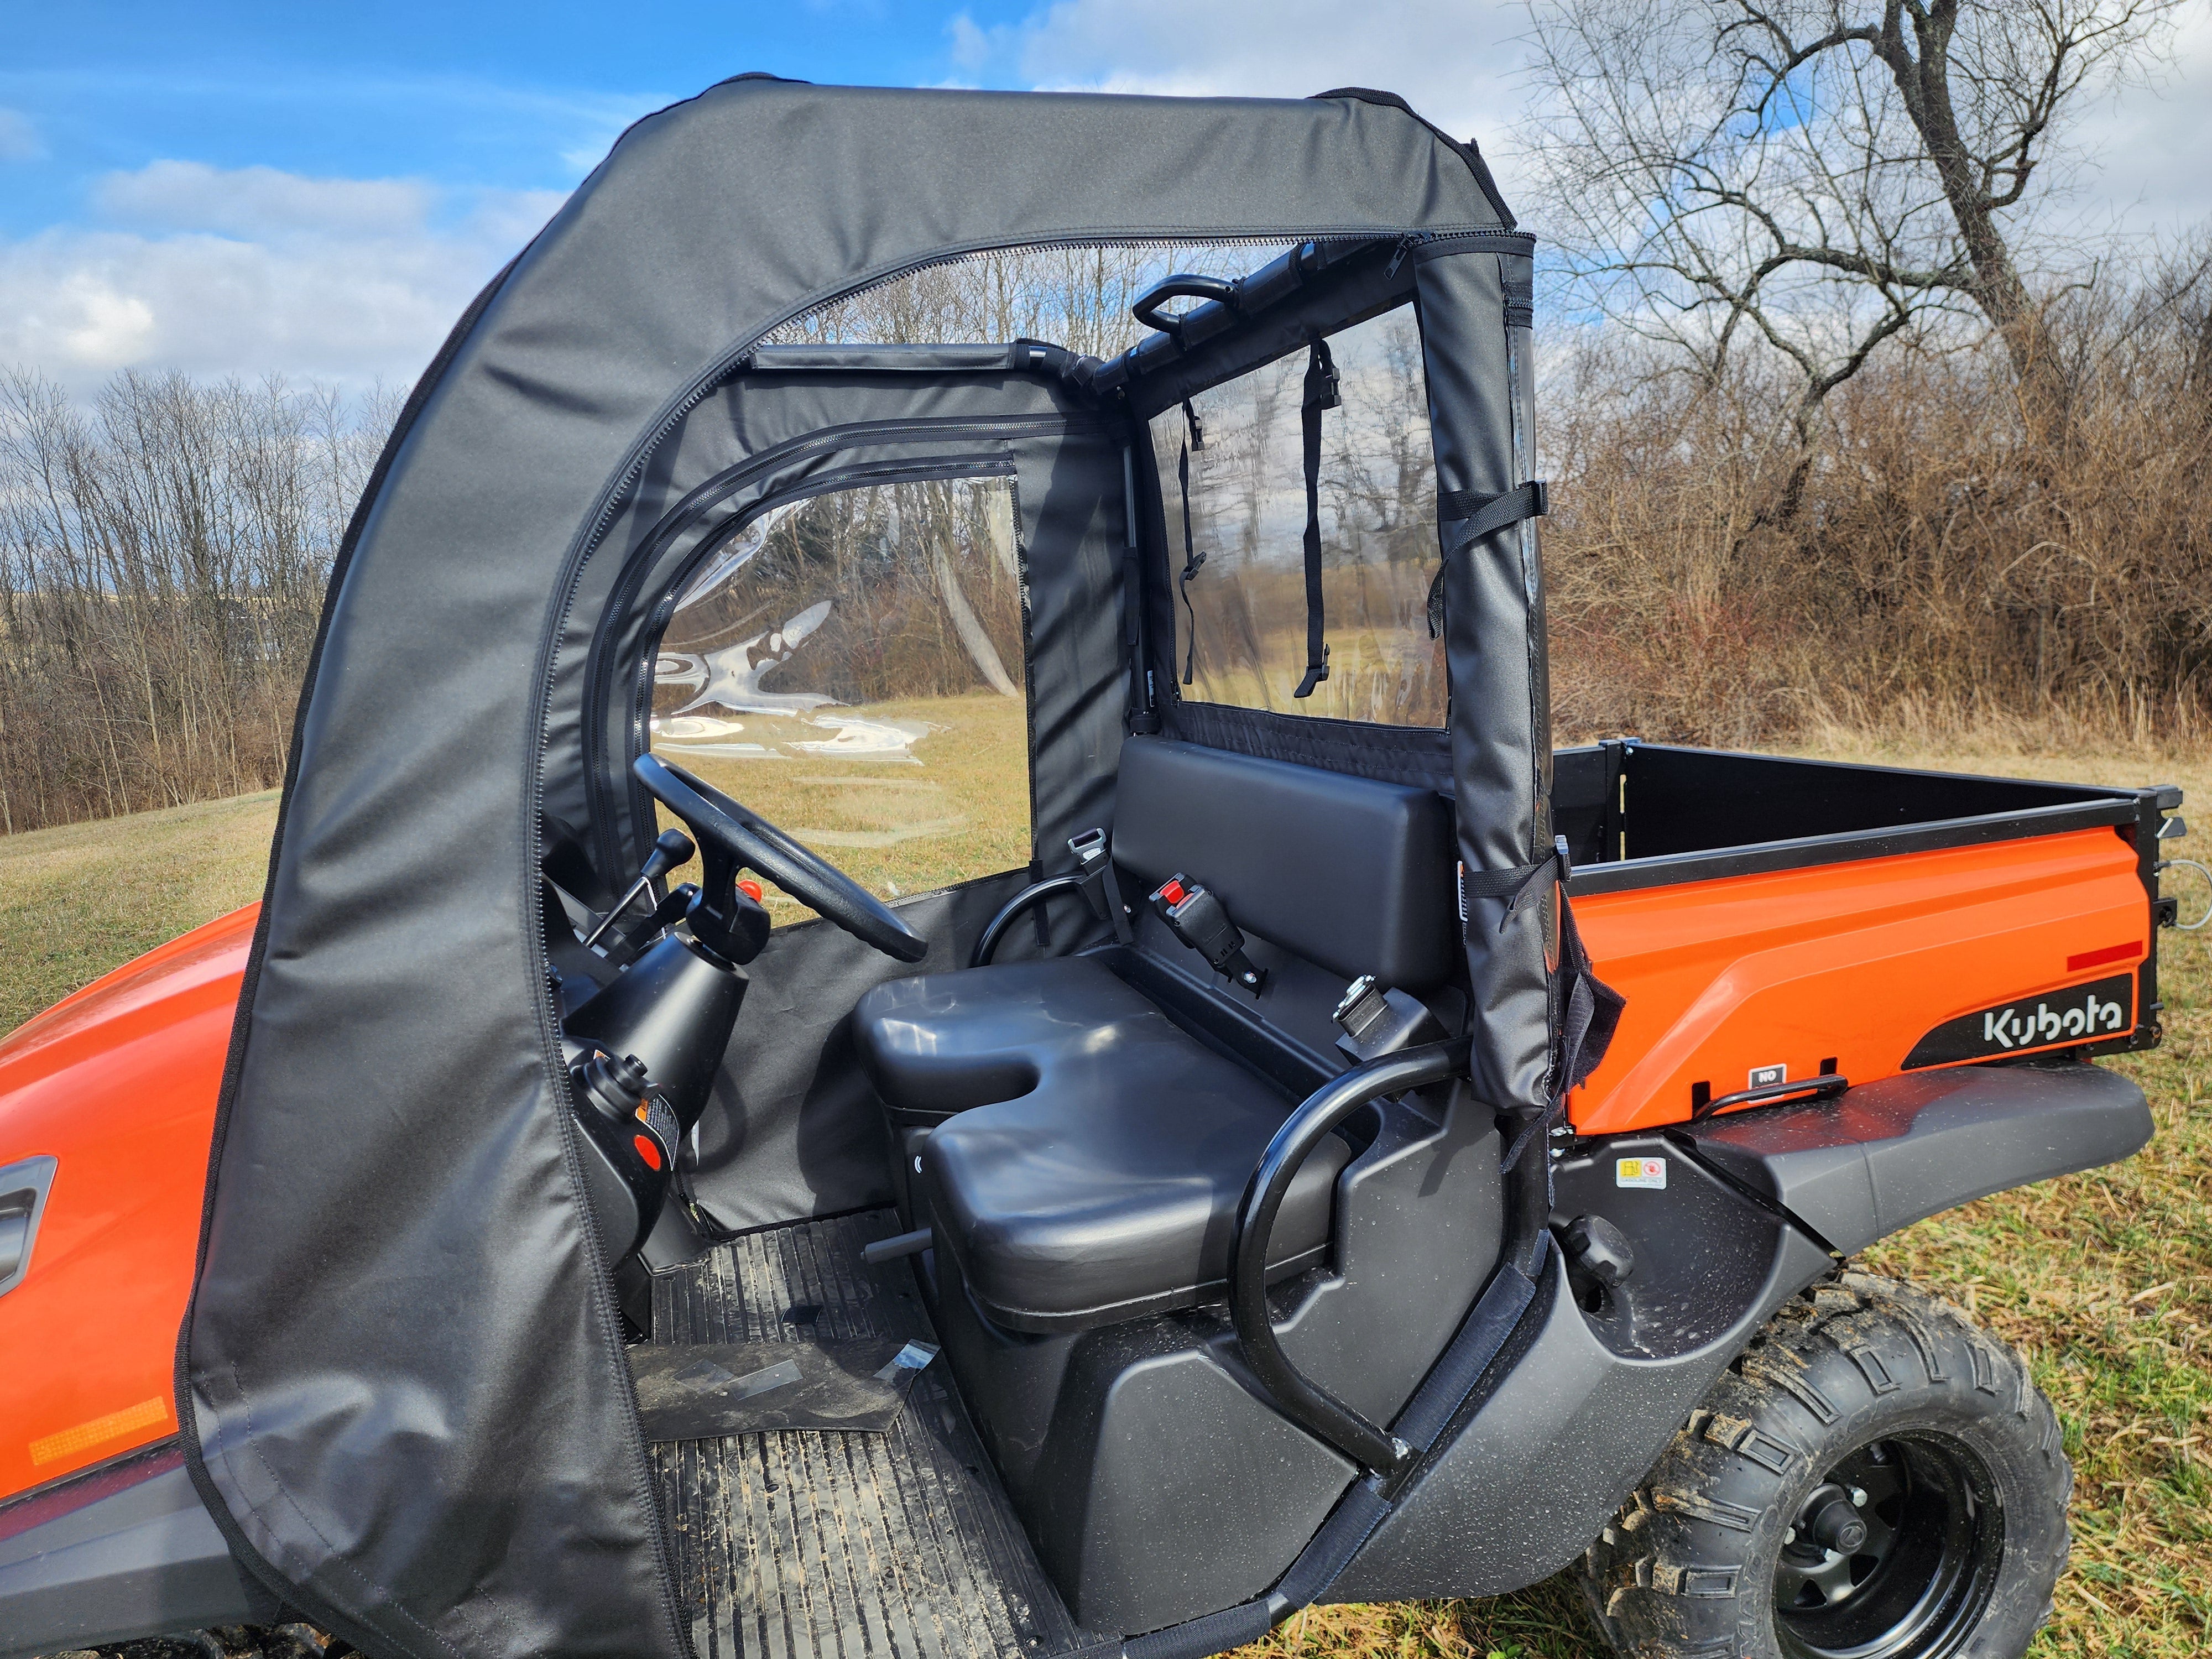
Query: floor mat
799, 1544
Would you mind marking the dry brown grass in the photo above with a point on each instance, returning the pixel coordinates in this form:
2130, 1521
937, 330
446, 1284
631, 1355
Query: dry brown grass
955, 807
84, 899
1710, 582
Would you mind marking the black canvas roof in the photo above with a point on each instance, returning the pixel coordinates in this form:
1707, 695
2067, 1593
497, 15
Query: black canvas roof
401, 1377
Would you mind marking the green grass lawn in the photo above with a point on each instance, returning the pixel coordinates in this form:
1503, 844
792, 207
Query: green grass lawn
78, 901
2103, 1279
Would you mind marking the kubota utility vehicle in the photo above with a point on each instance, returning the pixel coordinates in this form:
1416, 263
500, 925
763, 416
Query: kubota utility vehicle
1220, 1182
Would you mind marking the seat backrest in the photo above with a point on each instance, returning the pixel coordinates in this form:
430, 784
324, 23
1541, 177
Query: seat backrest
1347, 873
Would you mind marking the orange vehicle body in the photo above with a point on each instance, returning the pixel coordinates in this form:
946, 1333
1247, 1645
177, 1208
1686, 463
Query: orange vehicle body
1849, 963
1844, 967
117, 1084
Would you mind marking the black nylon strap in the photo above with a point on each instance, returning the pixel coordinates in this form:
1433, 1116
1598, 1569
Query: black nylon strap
1511, 884
1217, 1633
1472, 515
1593, 1008
1469, 515
1193, 561
1321, 393
1117, 914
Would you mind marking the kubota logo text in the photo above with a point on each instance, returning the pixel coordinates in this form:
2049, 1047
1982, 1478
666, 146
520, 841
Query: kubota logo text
2009, 1028
2080, 1013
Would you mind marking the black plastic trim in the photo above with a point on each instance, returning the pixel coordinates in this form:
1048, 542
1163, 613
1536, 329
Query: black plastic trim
1888, 1154
1627, 875
23, 1188
1321, 1113
123, 1550
1419, 755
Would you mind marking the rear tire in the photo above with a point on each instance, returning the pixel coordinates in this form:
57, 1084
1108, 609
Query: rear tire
1867, 1415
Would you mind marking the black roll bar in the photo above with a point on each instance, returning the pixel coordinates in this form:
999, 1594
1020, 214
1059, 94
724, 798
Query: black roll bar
1036, 893
1327, 1107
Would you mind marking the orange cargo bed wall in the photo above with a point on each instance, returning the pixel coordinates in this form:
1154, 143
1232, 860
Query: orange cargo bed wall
1852, 963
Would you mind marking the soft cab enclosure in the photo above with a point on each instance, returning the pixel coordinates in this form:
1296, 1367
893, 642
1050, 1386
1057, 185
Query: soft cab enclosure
1210, 1105
405, 1385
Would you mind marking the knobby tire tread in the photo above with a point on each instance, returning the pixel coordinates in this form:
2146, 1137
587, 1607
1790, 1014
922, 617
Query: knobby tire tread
1685, 1569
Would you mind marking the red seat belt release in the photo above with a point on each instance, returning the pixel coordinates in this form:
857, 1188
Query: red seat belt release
1199, 920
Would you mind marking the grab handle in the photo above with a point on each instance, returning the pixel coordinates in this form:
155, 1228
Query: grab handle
1182, 285
1307, 1401
1812, 1088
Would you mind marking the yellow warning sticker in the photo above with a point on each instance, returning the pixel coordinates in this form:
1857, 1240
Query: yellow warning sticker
146, 1414
1646, 1172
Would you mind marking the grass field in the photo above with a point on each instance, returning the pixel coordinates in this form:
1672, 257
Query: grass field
77, 900
949, 802
2103, 1279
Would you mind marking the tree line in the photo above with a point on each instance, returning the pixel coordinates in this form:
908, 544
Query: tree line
163, 553
1848, 422
1867, 420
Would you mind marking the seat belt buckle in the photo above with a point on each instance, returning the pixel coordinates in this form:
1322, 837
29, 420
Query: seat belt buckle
1199, 920
1090, 866
1380, 1019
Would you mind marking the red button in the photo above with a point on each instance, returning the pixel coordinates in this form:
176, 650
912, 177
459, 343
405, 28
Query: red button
752, 890
647, 1149
1174, 892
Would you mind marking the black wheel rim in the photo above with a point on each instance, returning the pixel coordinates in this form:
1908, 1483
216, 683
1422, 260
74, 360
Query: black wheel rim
1919, 1583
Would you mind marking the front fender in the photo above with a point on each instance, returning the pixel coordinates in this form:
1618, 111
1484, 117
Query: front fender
113, 1092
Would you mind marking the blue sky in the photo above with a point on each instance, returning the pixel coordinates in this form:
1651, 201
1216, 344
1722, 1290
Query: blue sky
468, 96
316, 190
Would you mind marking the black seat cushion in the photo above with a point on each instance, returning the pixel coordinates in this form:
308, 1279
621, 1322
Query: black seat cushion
941, 1043
1094, 1153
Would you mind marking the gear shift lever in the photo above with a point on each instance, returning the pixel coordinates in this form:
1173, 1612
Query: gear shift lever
673, 847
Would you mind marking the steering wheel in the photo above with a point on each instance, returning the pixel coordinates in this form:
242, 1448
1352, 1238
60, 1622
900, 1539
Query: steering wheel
732, 838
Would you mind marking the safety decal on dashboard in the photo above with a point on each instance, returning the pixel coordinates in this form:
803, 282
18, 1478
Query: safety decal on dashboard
2080, 1013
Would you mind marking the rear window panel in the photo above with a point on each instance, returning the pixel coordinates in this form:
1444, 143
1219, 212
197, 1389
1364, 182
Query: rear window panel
1241, 617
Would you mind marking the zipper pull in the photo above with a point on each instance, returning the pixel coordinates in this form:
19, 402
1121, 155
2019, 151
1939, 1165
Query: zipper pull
1405, 245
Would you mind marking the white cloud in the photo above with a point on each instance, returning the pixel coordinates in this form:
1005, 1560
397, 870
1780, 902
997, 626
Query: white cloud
254, 271
969, 44
19, 138
1461, 64
260, 201
1455, 61
2140, 151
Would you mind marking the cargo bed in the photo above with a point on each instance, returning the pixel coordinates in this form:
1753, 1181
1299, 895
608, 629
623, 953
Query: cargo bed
1782, 927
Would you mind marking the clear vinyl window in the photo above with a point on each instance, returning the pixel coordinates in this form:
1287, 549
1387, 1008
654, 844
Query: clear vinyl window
1241, 615
851, 667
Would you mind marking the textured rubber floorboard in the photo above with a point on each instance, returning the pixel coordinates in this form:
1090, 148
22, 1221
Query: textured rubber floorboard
797, 1544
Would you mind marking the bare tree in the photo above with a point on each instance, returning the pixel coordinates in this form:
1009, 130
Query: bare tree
163, 559
1820, 174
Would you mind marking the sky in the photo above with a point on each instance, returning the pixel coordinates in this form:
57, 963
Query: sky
317, 191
